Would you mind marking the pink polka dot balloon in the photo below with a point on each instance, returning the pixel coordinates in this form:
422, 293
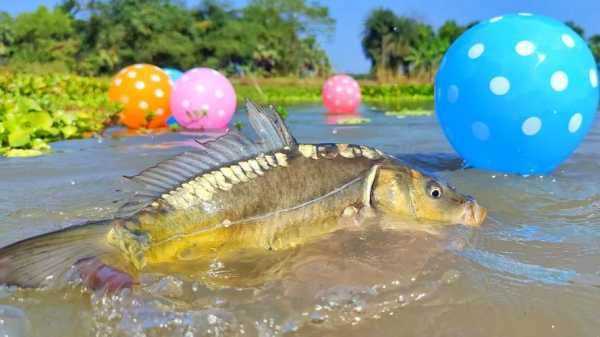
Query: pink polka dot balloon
203, 99
341, 94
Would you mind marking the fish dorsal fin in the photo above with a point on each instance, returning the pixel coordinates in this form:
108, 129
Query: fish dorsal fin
209, 155
269, 126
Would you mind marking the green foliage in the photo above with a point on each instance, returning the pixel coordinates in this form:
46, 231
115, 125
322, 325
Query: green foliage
35, 110
450, 31
267, 37
401, 45
387, 40
395, 96
577, 28
43, 36
594, 42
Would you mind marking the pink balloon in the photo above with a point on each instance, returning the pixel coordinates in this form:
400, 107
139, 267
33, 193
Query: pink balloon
341, 94
203, 98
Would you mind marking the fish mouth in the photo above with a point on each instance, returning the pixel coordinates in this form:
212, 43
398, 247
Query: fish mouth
473, 215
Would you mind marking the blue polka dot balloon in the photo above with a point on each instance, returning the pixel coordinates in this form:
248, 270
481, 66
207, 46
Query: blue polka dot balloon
517, 94
173, 73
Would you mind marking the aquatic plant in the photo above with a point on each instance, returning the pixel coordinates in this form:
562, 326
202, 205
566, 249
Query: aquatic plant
38, 109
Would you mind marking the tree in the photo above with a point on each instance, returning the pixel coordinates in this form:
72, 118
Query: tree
44, 36
7, 35
426, 56
594, 43
578, 29
450, 31
387, 41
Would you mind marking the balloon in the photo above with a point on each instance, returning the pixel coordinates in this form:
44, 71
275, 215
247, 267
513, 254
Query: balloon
172, 121
144, 89
203, 99
174, 74
341, 94
517, 93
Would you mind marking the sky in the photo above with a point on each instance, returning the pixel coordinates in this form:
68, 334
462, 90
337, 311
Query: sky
343, 46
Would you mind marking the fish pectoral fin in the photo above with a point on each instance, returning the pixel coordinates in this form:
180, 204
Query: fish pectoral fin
46, 259
102, 277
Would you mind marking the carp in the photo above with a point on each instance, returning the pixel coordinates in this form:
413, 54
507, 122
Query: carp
264, 192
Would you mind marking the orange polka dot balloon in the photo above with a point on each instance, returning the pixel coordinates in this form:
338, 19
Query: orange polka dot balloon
144, 89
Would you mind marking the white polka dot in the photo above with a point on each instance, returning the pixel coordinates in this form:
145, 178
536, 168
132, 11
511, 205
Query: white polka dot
205, 107
541, 57
453, 93
138, 66
199, 88
531, 126
159, 93
575, 122
345, 80
160, 111
524, 48
185, 103
567, 40
349, 91
499, 85
337, 102
195, 70
593, 78
480, 130
338, 89
131, 74
214, 72
351, 102
139, 85
496, 19
155, 78
221, 112
476, 50
218, 93
525, 14
118, 82
143, 105
185, 77
124, 99
171, 83
559, 81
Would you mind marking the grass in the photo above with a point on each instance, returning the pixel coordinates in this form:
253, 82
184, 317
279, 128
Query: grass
38, 109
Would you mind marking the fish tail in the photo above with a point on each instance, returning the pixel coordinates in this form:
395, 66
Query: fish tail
45, 259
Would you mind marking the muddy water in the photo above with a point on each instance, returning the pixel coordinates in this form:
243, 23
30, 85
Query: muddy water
532, 270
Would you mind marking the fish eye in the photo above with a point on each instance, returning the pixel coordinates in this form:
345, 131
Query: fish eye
434, 190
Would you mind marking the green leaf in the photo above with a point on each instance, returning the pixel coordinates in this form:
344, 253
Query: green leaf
19, 137
23, 153
39, 144
68, 131
40, 120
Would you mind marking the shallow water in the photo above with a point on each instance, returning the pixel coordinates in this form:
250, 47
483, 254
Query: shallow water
532, 270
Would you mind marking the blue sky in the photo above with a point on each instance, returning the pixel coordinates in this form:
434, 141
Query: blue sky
344, 48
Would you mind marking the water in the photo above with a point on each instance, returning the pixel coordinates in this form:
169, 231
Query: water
531, 270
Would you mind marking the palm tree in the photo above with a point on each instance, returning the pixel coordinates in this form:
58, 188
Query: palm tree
426, 56
594, 43
387, 40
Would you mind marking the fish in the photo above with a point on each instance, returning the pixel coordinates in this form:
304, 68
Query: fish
263, 191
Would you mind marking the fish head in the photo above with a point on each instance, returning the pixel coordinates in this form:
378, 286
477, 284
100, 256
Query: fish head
405, 192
